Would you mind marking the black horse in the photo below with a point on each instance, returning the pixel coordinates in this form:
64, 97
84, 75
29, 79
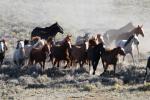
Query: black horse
46, 32
147, 67
94, 54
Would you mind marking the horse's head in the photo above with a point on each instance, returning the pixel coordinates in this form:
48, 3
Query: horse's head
67, 44
20, 44
92, 41
59, 28
138, 30
120, 51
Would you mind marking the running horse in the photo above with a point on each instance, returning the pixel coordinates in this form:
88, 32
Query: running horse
44, 33
122, 34
128, 45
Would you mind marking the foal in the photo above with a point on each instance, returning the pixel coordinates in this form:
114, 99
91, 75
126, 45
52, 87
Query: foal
110, 57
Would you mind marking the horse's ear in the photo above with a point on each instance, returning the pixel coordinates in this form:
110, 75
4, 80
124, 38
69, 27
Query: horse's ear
141, 26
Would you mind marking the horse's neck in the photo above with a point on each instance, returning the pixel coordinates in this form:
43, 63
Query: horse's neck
133, 31
129, 44
63, 47
114, 52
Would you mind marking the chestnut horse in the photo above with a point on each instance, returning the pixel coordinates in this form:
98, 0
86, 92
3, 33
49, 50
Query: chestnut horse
39, 55
123, 33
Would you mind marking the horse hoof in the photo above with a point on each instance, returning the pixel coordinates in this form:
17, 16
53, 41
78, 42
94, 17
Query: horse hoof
93, 73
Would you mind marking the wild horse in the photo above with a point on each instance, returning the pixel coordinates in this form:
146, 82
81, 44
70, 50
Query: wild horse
46, 32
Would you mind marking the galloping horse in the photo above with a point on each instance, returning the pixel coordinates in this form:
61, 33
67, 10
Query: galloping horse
19, 54
44, 33
3, 49
110, 57
39, 55
61, 52
128, 45
123, 33
137, 31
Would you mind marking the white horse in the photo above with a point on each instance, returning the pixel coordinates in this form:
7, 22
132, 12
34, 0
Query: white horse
19, 54
128, 45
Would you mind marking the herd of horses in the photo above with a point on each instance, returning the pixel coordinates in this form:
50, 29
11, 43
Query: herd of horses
86, 50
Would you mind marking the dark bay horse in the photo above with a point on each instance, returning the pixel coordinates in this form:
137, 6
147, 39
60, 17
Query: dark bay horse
44, 33
110, 57
61, 52
39, 55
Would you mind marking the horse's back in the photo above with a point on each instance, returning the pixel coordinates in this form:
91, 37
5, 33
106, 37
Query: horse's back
120, 43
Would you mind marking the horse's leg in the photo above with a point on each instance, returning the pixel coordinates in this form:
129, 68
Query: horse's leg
114, 69
132, 57
43, 65
67, 63
146, 73
55, 61
123, 58
94, 67
104, 67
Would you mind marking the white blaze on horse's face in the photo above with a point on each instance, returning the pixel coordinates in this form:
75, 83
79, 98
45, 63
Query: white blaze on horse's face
21, 44
2, 47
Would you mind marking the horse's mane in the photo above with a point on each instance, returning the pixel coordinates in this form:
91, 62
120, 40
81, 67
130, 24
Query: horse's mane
129, 39
53, 25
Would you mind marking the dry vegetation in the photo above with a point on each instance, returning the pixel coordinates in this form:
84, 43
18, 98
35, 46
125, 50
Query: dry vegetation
71, 83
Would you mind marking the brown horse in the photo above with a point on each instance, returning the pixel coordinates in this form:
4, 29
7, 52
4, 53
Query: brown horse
61, 52
122, 34
79, 53
138, 31
39, 55
110, 57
